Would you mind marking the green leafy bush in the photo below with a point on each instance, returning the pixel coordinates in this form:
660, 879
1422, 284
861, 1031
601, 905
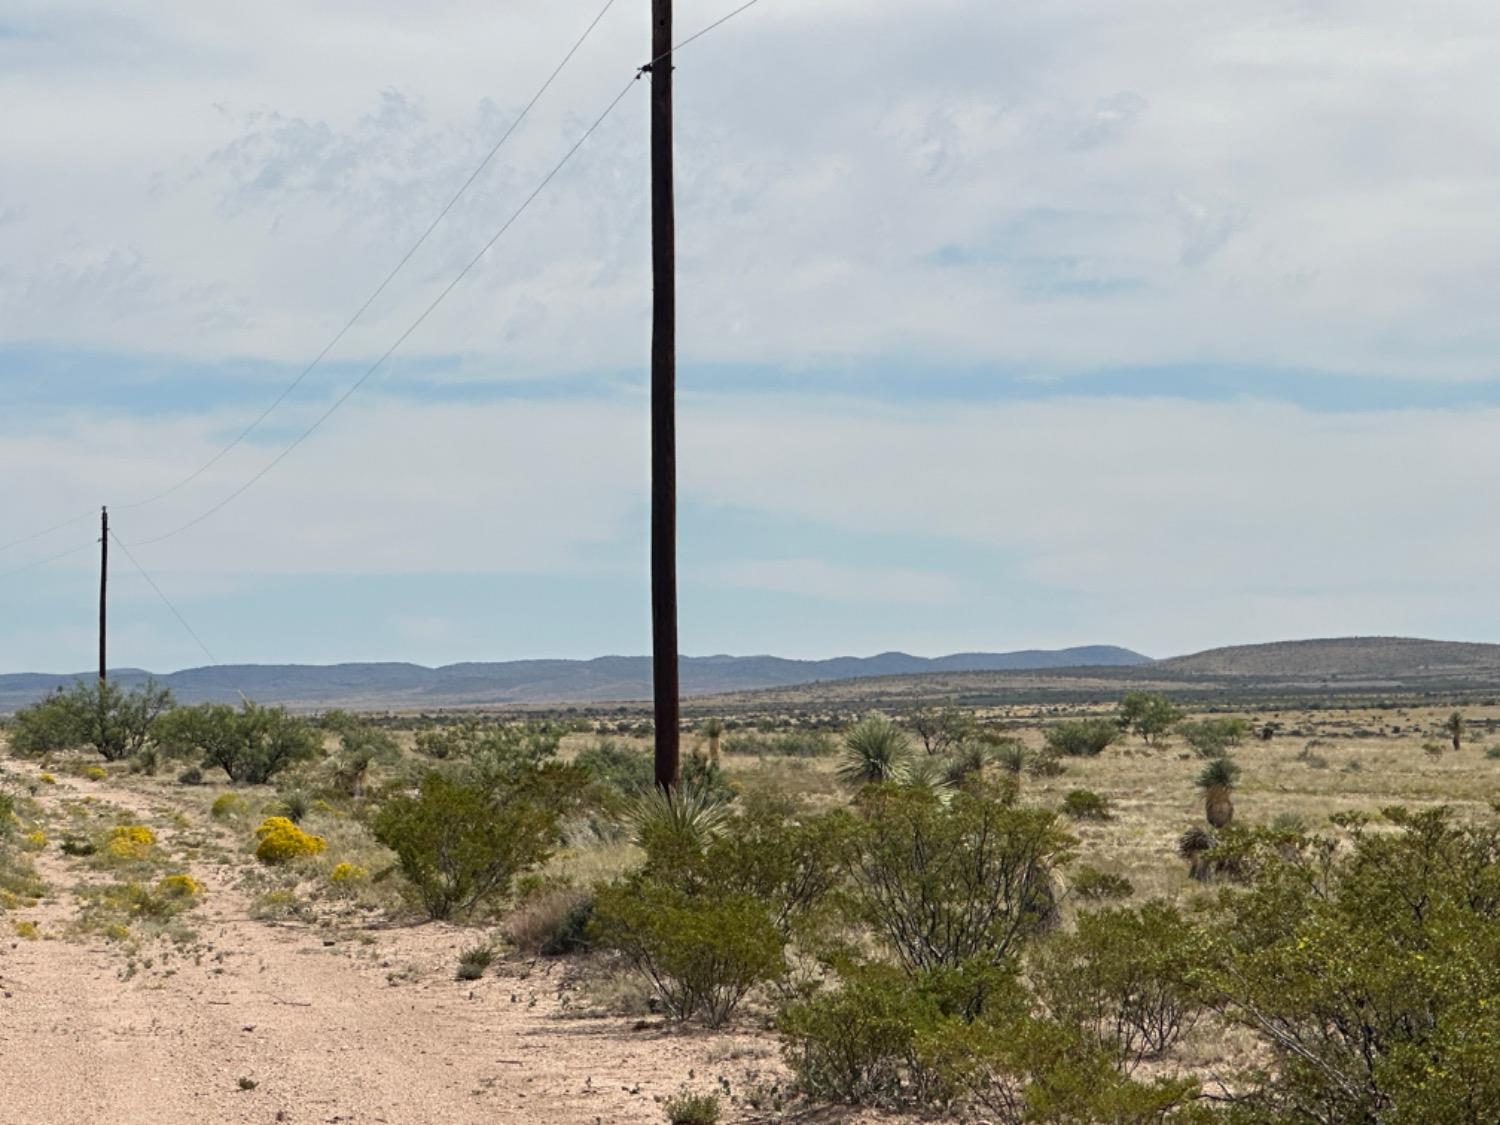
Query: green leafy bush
1093, 885
1128, 979
1148, 714
627, 770
701, 954
688, 1108
1215, 737
1085, 804
1369, 973
250, 744
945, 883
460, 844
102, 715
1082, 738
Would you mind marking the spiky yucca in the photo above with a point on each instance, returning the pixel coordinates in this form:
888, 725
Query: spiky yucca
875, 750
713, 730
1217, 782
691, 814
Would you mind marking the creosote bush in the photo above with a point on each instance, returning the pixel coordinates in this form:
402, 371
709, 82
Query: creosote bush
1082, 738
1085, 804
688, 1108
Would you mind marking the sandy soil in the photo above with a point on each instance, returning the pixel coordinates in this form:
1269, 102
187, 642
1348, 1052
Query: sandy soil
370, 1028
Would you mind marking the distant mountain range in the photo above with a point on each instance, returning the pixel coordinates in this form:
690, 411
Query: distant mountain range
608, 678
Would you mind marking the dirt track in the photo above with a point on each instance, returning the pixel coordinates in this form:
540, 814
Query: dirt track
368, 1028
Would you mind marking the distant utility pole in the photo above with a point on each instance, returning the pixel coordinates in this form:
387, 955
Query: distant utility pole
103, 587
663, 404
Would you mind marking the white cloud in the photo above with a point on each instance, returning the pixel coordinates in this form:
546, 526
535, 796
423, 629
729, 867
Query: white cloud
818, 578
1306, 186
1168, 524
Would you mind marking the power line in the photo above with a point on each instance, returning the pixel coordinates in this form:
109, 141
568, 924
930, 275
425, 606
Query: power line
447, 289
359, 312
47, 560
213, 660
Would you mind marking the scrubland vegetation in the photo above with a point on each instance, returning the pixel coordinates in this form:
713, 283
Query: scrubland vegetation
1098, 914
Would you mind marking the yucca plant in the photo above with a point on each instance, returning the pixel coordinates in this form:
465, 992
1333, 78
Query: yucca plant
1012, 759
713, 730
690, 815
1217, 782
1455, 728
1194, 846
933, 775
875, 750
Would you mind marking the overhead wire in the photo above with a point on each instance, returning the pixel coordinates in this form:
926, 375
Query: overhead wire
428, 310
181, 620
363, 308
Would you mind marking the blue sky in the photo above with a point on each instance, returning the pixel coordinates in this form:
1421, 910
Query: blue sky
1002, 326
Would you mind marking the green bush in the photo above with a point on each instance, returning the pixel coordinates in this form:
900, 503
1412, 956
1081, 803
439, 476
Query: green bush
1367, 972
460, 844
473, 960
1082, 738
1148, 714
701, 954
625, 769
250, 744
1214, 738
1128, 979
688, 1108
1093, 885
1085, 804
944, 884
101, 715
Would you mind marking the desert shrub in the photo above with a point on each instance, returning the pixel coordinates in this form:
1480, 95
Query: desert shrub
875, 750
179, 886
966, 761
688, 1108
1085, 804
1017, 1068
1127, 978
281, 841
1148, 714
345, 874
1046, 764
474, 960
96, 773
227, 805
857, 1043
250, 744
625, 769
362, 745
460, 843
77, 846
295, 805
1214, 737
550, 921
190, 776
1011, 757
492, 754
1367, 973
701, 954
941, 729
1093, 885
1492, 753
100, 715
129, 841
945, 884
1082, 738
802, 744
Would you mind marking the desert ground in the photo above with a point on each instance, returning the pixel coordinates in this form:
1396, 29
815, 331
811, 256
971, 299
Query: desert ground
288, 994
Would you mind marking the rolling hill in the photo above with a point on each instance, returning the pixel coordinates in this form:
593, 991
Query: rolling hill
608, 678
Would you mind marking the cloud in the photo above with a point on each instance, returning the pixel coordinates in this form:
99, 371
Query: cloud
817, 578
259, 181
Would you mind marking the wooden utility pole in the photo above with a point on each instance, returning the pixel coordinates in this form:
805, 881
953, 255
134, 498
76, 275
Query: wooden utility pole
103, 587
663, 404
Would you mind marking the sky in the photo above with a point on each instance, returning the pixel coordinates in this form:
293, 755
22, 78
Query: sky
1166, 325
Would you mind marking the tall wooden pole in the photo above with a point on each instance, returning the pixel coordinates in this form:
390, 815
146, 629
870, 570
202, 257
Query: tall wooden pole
103, 588
663, 403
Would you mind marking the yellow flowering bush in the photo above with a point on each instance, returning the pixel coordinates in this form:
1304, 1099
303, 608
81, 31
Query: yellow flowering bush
96, 773
346, 873
282, 841
35, 840
27, 931
129, 841
47, 779
179, 886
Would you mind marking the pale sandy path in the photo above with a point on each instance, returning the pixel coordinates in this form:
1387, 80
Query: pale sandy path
320, 1028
